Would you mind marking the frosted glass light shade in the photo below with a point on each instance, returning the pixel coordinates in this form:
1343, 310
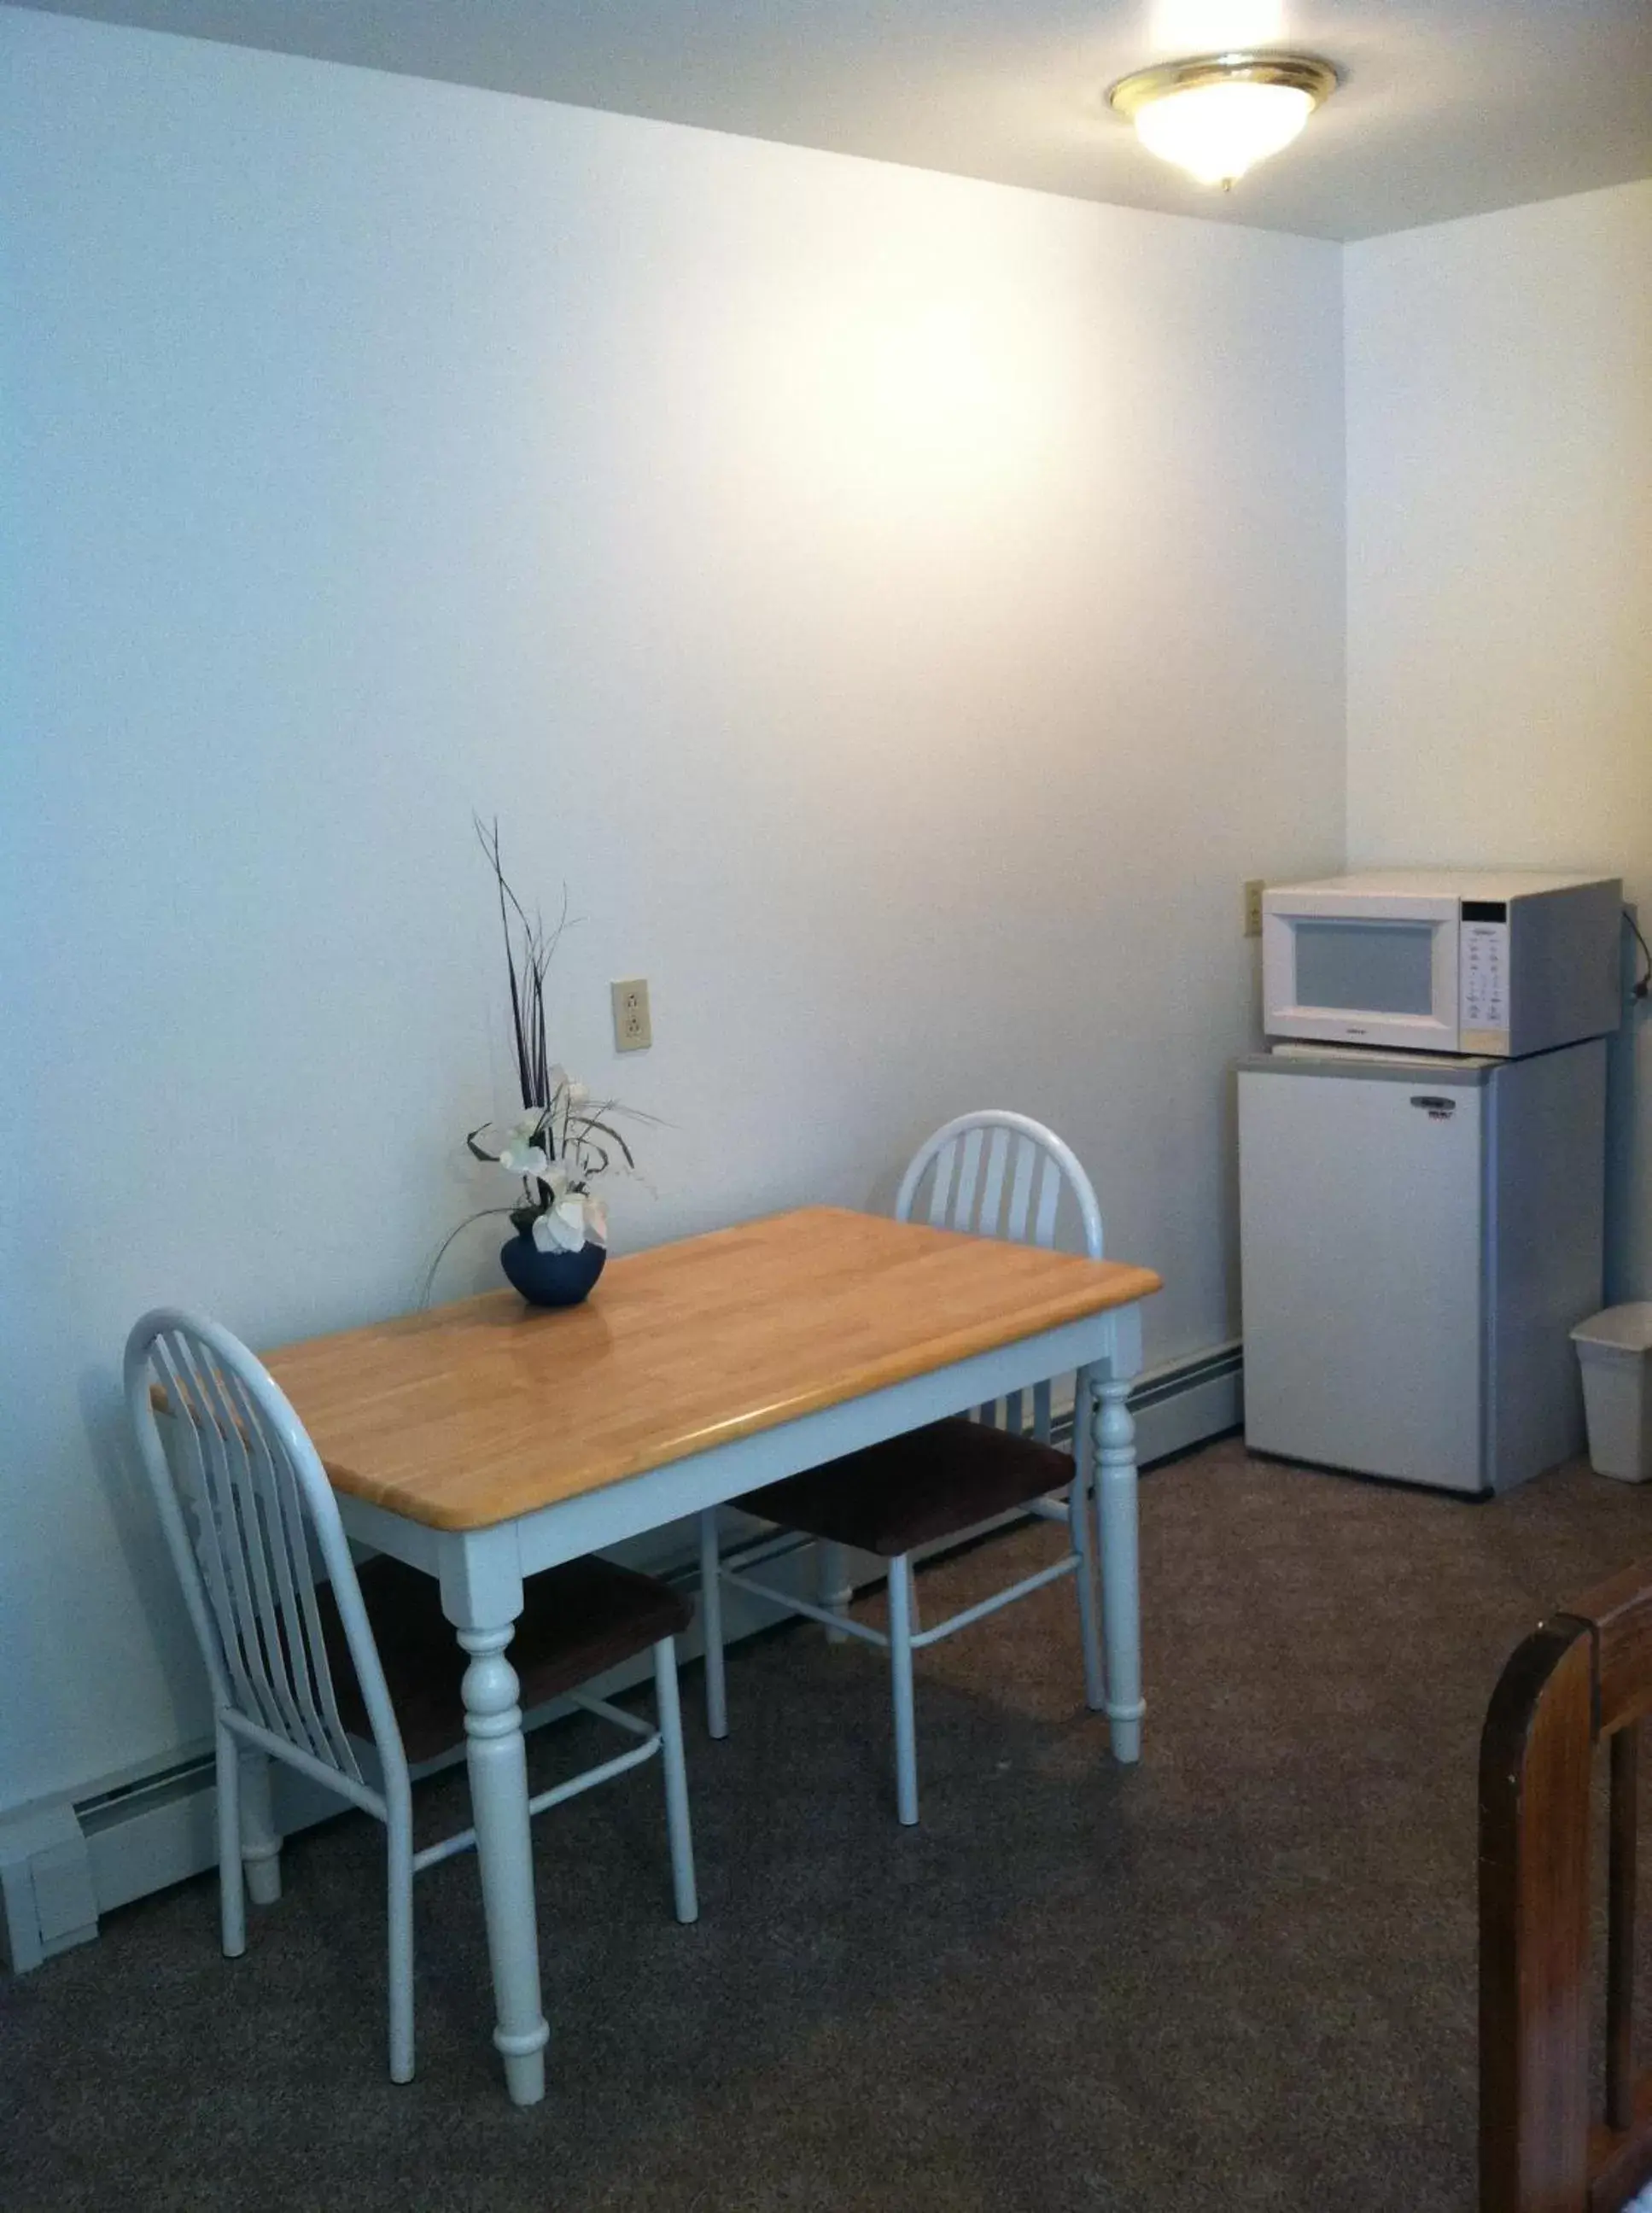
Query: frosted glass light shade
1216, 132
1216, 117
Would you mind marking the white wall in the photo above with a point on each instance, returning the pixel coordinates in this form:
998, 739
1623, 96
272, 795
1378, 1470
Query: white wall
1499, 392
901, 610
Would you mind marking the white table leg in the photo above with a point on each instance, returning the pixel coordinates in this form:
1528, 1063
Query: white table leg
834, 1590
1113, 1437
900, 1667
504, 1850
260, 1847
717, 1687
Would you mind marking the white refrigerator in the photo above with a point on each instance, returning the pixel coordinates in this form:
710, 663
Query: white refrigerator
1418, 1237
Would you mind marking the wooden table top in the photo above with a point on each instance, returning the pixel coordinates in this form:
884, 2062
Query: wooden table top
473, 1413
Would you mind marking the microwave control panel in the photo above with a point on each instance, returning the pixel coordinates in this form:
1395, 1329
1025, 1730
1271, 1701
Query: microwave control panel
1483, 976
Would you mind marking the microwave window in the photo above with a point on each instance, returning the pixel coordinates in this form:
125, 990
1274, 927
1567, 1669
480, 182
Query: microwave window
1365, 967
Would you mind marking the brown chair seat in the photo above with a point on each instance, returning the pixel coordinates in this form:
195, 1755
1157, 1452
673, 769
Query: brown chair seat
577, 1621
933, 1482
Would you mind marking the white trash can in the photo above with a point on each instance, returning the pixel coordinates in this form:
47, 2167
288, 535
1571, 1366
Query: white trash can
1615, 1349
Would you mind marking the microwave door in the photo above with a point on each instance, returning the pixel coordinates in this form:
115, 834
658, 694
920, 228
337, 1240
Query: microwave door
1361, 970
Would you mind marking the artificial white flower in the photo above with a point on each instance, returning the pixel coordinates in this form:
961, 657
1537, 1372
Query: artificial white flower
523, 1159
573, 1217
569, 1216
561, 1228
521, 1153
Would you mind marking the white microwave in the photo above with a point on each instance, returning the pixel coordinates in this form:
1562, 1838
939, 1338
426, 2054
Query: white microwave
1494, 962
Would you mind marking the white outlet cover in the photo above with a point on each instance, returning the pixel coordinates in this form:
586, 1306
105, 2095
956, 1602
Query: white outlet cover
633, 1027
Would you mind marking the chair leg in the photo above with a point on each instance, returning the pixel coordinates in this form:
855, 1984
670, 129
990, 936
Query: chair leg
716, 1696
676, 1775
232, 1889
900, 1665
834, 1587
399, 1827
260, 1847
1089, 1624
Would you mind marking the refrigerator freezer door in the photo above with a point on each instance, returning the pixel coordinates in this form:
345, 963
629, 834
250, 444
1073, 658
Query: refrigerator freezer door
1361, 1233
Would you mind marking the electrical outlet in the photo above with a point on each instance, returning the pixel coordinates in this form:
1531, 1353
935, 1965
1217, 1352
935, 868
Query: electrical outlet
633, 1031
1254, 906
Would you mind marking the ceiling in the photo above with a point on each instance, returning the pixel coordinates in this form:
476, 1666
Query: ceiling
1449, 107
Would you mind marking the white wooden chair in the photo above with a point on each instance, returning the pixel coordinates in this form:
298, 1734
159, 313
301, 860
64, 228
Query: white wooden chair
311, 1659
989, 1173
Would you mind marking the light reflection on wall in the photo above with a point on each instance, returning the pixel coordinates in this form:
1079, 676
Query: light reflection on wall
1210, 26
932, 382
924, 416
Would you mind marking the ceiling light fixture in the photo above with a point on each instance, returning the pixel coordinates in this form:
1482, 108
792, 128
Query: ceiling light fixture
1217, 115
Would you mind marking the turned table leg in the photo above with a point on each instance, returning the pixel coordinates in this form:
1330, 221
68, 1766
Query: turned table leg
482, 1597
1113, 1436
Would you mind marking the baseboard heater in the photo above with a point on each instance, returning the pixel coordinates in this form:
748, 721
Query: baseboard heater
64, 1862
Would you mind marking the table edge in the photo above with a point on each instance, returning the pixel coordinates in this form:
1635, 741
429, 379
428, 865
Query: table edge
1131, 1284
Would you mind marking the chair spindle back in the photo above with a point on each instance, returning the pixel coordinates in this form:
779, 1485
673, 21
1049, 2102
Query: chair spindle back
992, 1173
246, 1507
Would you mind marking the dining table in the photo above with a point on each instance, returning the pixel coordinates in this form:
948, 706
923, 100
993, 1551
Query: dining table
486, 1440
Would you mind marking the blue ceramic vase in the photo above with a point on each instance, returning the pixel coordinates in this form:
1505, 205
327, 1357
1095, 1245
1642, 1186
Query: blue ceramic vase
550, 1279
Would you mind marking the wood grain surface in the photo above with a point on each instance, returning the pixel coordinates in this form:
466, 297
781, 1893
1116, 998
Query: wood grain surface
474, 1413
1619, 1611
1534, 1926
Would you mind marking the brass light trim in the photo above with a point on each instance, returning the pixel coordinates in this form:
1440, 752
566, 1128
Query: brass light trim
1307, 73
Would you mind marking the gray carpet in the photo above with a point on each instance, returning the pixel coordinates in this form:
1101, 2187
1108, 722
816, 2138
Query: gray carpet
1240, 1975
